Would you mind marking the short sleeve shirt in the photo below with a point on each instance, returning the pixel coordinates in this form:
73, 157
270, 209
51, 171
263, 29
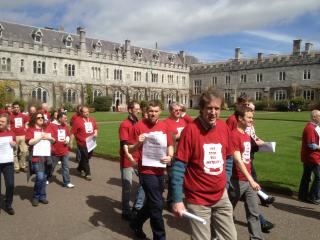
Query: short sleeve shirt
310, 136
17, 124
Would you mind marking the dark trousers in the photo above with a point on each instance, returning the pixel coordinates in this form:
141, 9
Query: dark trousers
314, 193
84, 160
153, 187
7, 169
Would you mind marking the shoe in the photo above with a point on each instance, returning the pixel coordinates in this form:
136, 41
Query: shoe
138, 232
35, 202
314, 201
44, 201
69, 185
82, 173
88, 177
126, 217
17, 170
268, 201
267, 226
10, 211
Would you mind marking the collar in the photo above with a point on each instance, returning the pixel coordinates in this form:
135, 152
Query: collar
133, 119
204, 124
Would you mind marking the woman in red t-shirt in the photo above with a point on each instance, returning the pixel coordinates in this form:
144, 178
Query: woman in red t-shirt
37, 132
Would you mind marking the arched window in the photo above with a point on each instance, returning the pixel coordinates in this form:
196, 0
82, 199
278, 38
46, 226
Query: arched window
117, 97
39, 67
37, 36
97, 46
6, 64
70, 95
96, 93
68, 41
40, 94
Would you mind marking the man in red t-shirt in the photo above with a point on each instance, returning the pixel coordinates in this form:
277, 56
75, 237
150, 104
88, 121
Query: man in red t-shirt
155, 150
6, 162
310, 156
46, 114
83, 128
242, 183
18, 123
60, 149
199, 167
128, 162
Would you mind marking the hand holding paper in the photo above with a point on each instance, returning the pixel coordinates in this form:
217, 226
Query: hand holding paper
194, 217
268, 147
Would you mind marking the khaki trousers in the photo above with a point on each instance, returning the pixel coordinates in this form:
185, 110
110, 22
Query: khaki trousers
219, 219
20, 162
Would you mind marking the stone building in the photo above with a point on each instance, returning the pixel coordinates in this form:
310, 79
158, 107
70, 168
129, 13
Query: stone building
56, 67
272, 77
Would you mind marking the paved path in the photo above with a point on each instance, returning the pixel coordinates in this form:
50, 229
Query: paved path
91, 211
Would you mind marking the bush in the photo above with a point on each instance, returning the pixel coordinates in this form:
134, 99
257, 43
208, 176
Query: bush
313, 105
261, 105
281, 105
102, 104
143, 104
68, 106
297, 103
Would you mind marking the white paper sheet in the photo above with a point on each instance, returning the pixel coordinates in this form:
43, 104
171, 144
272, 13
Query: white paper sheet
154, 148
42, 148
194, 217
91, 143
268, 147
180, 129
263, 195
6, 151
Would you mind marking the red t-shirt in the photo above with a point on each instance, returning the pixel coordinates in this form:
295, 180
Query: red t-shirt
7, 133
46, 115
83, 128
17, 124
205, 154
60, 134
144, 126
74, 118
175, 127
30, 134
187, 119
310, 136
232, 122
126, 134
242, 143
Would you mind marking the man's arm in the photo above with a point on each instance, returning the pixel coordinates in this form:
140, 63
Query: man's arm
177, 175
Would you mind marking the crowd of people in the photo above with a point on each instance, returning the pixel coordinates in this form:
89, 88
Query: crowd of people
206, 163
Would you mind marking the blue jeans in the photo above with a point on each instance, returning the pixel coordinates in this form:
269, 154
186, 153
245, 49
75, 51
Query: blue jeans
64, 165
126, 177
153, 187
7, 170
314, 193
39, 192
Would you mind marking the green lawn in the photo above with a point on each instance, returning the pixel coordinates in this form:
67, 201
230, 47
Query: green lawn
281, 170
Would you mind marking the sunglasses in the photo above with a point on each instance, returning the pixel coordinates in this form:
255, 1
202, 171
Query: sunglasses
39, 117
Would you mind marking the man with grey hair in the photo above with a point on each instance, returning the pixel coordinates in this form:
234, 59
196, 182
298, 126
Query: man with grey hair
310, 156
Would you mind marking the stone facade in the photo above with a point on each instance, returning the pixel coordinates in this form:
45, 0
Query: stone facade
56, 67
272, 77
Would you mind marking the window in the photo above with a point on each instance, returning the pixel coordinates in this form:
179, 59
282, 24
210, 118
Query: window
68, 41
37, 36
156, 56
162, 78
117, 74
40, 94
306, 74
137, 76
1, 30
227, 96
97, 46
96, 93
243, 78
183, 80
107, 73
259, 77
258, 96
146, 77
308, 94
280, 95
117, 97
177, 79
171, 58
214, 80
282, 76
170, 79
39, 67
70, 95
197, 86
154, 77
96, 73
69, 70
228, 79
55, 71
139, 53
5, 64
21, 65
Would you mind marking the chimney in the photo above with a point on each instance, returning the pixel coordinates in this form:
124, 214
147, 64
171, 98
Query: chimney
296, 47
237, 54
127, 46
182, 56
308, 47
260, 56
82, 33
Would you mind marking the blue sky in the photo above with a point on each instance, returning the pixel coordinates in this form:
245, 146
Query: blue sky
207, 29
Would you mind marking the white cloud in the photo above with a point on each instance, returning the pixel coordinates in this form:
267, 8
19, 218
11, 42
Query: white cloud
272, 36
173, 21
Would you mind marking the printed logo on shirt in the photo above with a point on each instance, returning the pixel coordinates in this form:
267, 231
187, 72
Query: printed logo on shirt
61, 135
246, 152
88, 127
18, 122
213, 161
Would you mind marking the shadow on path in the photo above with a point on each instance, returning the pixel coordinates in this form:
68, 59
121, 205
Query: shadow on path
181, 224
24, 192
303, 211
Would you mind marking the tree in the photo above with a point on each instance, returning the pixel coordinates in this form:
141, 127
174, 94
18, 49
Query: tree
89, 97
6, 93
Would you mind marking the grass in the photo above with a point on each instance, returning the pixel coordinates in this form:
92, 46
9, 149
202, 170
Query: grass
281, 170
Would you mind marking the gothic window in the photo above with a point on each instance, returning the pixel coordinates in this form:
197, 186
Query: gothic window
70, 70
70, 96
98, 46
39, 67
40, 94
117, 74
5, 64
68, 41
37, 36
96, 93
22, 65
154, 77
